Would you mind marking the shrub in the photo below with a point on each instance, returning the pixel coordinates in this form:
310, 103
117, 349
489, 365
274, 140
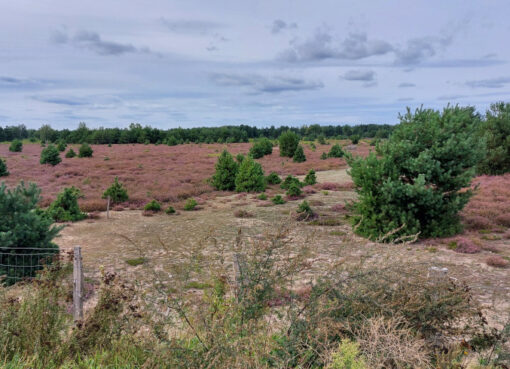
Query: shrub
299, 155
355, 139
347, 357
416, 182
172, 141
85, 151
240, 158
321, 140
152, 205
465, 246
16, 146
289, 142
3, 168
250, 177
65, 208
50, 155
497, 261
336, 151
224, 179
273, 178
290, 180
170, 210
496, 132
304, 211
294, 190
310, 178
22, 229
324, 156
261, 148
190, 204
278, 200
243, 214
70, 153
61, 146
262, 196
117, 192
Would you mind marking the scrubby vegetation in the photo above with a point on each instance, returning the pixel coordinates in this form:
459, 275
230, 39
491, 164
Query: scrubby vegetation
190, 204
3, 168
299, 155
250, 177
71, 153
226, 171
117, 192
261, 148
152, 205
495, 130
310, 178
278, 200
273, 178
65, 208
289, 142
16, 146
336, 151
85, 151
289, 181
50, 155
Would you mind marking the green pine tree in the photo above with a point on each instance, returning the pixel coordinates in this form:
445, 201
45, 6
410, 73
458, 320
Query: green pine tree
299, 155
224, 179
3, 168
250, 177
117, 192
50, 155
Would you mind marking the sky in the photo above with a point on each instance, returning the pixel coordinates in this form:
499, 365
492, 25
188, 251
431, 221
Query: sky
188, 63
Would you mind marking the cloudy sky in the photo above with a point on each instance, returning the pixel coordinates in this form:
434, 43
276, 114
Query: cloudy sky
169, 63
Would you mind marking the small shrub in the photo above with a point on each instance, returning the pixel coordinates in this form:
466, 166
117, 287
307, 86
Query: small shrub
321, 140
355, 139
262, 196
288, 142
338, 208
16, 146
310, 178
136, 261
50, 155
65, 208
224, 178
299, 155
85, 151
278, 200
61, 146
170, 210
273, 178
71, 153
152, 205
241, 213
324, 156
190, 204
294, 190
290, 180
347, 357
466, 246
497, 261
250, 177
336, 151
261, 148
240, 158
503, 219
117, 192
304, 211
3, 168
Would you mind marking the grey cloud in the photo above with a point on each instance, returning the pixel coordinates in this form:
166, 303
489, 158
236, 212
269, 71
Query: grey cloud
489, 83
280, 25
405, 99
260, 84
60, 100
193, 27
322, 46
359, 75
406, 85
451, 97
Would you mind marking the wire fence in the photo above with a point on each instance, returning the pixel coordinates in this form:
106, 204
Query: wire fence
19, 263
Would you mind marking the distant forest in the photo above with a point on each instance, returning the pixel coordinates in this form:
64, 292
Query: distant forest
135, 133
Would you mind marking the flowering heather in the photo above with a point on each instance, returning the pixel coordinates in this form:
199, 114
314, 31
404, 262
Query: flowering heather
338, 208
466, 246
497, 261
168, 174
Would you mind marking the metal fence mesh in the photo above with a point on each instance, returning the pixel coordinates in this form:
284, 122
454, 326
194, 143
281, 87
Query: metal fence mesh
18, 263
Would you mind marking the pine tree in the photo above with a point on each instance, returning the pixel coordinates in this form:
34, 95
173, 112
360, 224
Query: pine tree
289, 141
224, 179
310, 178
336, 151
16, 146
85, 151
250, 177
65, 208
3, 168
117, 192
50, 155
299, 155
71, 153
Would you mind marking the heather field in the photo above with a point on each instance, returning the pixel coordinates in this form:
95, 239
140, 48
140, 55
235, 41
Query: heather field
169, 174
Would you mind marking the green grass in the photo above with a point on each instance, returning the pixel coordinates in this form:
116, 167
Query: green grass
136, 261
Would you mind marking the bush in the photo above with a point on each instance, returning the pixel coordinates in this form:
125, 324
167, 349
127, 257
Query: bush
50, 155
496, 132
240, 158
310, 178
304, 211
241, 213
3, 168
224, 179
273, 178
261, 148
347, 357
416, 183
23, 228
324, 156
170, 210
294, 190
355, 139
250, 177
117, 192
290, 180
16, 146
336, 151
70, 153
321, 140
152, 205
190, 204
61, 146
278, 200
262, 196
85, 151
65, 208
289, 142
299, 155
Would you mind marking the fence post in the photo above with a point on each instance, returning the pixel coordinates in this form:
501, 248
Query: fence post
108, 208
77, 285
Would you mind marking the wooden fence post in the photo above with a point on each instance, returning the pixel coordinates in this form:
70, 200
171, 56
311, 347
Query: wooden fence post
108, 208
77, 285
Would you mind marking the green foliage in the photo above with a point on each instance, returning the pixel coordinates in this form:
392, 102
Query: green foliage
3, 168
22, 226
496, 132
278, 200
294, 190
61, 146
172, 141
321, 140
336, 151
71, 153
136, 261
170, 210
117, 192
304, 208
273, 178
290, 180
85, 151
415, 183
190, 204
347, 356
152, 205
65, 208
324, 156
261, 148
16, 146
310, 178
289, 142
355, 139
224, 179
240, 158
50, 155
262, 196
250, 177
299, 155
